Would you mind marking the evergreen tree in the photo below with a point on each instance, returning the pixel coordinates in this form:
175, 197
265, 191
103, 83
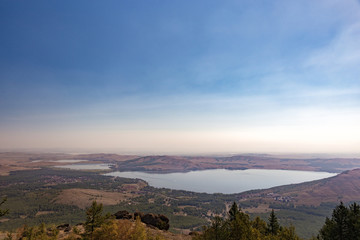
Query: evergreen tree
273, 226
353, 221
238, 226
94, 219
344, 224
234, 210
239, 223
288, 233
219, 229
260, 225
340, 218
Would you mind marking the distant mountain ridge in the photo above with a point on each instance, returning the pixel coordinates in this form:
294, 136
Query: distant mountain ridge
11, 161
167, 163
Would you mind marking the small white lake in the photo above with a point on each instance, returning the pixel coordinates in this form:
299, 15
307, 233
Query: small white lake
86, 166
69, 161
224, 181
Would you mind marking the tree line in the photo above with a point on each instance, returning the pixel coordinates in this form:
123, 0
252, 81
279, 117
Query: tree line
239, 226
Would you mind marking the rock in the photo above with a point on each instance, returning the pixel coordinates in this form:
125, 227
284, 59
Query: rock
159, 221
152, 220
123, 215
65, 227
163, 218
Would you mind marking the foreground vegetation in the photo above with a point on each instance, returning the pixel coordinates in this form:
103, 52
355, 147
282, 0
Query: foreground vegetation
343, 225
96, 227
239, 226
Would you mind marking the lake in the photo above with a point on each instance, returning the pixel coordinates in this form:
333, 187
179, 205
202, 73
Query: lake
225, 181
70, 161
86, 166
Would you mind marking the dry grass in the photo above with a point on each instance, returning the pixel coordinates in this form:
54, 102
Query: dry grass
15, 161
134, 186
263, 208
43, 213
84, 197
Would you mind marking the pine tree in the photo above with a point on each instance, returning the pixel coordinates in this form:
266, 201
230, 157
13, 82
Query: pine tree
219, 229
239, 223
340, 216
94, 219
234, 210
353, 222
238, 226
344, 224
273, 226
260, 225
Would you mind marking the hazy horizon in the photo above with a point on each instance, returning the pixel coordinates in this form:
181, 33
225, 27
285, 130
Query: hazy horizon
179, 77
77, 151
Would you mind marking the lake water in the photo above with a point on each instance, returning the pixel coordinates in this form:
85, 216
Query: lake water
86, 166
224, 181
69, 161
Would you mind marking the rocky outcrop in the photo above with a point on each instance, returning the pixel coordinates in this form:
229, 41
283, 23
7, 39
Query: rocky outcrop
65, 227
153, 220
123, 215
157, 220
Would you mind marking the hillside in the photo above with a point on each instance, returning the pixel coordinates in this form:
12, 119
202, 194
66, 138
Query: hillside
13, 161
343, 187
122, 228
305, 205
163, 164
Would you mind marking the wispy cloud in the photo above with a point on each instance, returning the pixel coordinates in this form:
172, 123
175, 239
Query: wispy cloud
342, 53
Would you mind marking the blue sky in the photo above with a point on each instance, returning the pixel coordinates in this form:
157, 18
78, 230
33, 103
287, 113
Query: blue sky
181, 76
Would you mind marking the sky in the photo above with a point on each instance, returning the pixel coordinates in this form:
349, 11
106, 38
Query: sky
180, 76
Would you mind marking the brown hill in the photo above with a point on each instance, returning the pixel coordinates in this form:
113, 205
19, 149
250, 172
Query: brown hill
343, 187
186, 163
12, 161
158, 164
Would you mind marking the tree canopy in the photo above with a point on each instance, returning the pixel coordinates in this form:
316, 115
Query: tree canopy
239, 226
94, 219
344, 224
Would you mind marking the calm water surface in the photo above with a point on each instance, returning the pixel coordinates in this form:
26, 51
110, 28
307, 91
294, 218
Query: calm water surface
86, 166
225, 181
69, 161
